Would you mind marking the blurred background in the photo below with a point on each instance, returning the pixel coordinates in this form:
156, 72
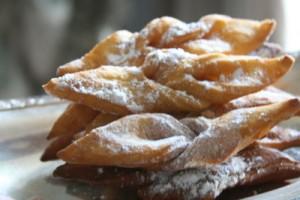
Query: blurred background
36, 36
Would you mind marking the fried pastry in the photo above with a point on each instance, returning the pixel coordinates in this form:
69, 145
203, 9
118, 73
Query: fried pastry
115, 145
281, 138
56, 145
268, 50
69, 123
119, 49
216, 78
110, 176
66, 137
242, 126
101, 120
121, 90
133, 141
168, 32
230, 36
177, 110
183, 81
252, 166
266, 96
274, 166
212, 33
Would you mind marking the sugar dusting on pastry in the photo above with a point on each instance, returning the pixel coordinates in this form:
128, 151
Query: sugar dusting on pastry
126, 52
181, 29
201, 182
200, 68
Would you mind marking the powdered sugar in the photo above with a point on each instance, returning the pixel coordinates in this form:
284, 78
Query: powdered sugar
208, 85
76, 63
268, 50
171, 56
240, 77
179, 29
129, 137
263, 97
110, 90
129, 88
201, 182
126, 51
209, 45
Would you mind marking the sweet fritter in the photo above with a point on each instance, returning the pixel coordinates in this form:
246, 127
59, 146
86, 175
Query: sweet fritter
281, 138
133, 141
65, 138
242, 126
251, 166
121, 90
56, 145
150, 140
231, 36
254, 165
266, 96
212, 33
119, 49
182, 82
167, 32
73, 120
178, 110
216, 77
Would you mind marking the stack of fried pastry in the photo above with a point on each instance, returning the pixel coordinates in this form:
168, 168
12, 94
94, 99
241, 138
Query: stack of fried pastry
177, 110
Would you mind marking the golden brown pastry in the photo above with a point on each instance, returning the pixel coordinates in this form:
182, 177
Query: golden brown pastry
281, 138
242, 126
133, 141
266, 96
100, 120
252, 166
183, 82
121, 90
216, 77
168, 32
212, 33
230, 35
150, 140
56, 145
119, 48
69, 123
65, 138
177, 110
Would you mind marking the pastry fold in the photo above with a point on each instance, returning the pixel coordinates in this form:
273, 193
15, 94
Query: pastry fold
161, 141
266, 96
132, 141
254, 165
122, 90
230, 35
212, 33
242, 126
170, 81
215, 77
281, 138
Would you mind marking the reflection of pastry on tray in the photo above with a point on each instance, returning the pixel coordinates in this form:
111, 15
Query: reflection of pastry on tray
177, 110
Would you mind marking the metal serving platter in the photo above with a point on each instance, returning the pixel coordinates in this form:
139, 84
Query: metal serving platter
23, 127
